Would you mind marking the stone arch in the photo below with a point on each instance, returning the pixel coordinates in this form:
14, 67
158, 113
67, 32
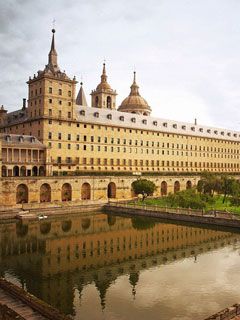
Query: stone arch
21, 229
66, 192
23, 171
35, 171
86, 191
111, 190
45, 227
189, 184
86, 222
45, 193
176, 186
22, 194
66, 225
96, 102
164, 187
16, 171
109, 102
4, 171
111, 220
41, 171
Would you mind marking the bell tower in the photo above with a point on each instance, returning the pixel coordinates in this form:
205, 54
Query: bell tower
104, 96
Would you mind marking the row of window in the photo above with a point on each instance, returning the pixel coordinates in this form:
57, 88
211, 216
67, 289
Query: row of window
37, 92
141, 143
144, 151
147, 163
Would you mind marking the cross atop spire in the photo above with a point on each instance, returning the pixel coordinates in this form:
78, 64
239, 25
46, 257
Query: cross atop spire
52, 56
134, 86
104, 74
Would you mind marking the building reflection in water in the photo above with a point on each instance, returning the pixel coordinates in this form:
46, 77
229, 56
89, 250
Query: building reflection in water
55, 258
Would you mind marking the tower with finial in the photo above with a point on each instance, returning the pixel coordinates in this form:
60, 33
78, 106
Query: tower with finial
51, 92
81, 98
104, 96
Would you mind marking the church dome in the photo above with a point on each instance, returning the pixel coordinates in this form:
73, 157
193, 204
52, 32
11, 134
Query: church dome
134, 103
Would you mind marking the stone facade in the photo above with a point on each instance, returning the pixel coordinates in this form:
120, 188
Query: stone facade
31, 192
76, 139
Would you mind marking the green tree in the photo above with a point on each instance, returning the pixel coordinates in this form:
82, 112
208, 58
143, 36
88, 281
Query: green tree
144, 187
229, 187
209, 183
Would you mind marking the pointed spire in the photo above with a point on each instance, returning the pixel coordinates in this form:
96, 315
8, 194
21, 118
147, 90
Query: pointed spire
52, 56
104, 74
81, 98
134, 87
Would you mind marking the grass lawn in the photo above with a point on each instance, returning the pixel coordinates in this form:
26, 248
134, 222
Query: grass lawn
218, 205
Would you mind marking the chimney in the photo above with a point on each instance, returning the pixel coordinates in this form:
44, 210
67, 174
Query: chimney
24, 104
195, 121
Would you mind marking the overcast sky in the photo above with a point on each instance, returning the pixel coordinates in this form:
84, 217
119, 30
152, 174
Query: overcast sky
186, 52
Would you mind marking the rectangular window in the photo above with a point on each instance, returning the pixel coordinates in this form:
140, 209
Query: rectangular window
49, 135
49, 90
69, 136
59, 136
69, 115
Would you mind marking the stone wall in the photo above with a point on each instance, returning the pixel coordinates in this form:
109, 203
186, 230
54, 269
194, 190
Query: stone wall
28, 192
8, 314
226, 314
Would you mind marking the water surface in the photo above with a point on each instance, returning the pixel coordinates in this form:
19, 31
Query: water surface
100, 266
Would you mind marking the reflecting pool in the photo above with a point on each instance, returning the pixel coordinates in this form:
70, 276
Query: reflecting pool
98, 266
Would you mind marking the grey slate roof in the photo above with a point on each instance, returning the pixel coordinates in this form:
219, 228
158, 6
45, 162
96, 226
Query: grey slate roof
134, 121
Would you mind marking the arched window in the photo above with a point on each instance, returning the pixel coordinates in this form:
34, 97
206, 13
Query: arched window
96, 102
176, 186
163, 188
66, 192
109, 102
34, 171
4, 171
86, 191
111, 191
22, 194
23, 171
66, 225
41, 171
45, 193
16, 171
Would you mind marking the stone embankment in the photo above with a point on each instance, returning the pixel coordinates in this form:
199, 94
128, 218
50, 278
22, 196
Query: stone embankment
177, 214
17, 304
232, 313
53, 211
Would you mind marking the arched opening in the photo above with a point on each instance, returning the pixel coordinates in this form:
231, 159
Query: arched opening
96, 102
86, 222
16, 171
66, 225
22, 194
4, 171
21, 229
111, 220
23, 171
34, 171
42, 171
45, 193
86, 191
163, 188
66, 192
176, 186
189, 184
109, 102
45, 227
111, 191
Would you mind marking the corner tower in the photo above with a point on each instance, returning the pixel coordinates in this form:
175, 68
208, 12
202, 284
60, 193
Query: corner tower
51, 92
104, 96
